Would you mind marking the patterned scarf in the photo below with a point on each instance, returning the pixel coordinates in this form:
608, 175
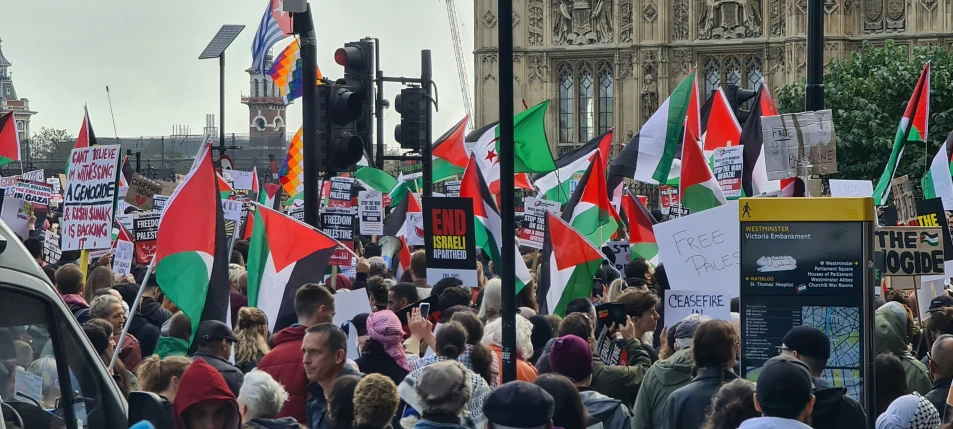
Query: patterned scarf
384, 327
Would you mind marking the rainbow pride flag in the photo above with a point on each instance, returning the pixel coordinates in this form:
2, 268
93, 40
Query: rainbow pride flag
286, 72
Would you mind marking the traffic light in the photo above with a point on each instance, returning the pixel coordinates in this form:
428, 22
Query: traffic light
357, 58
736, 97
412, 105
339, 145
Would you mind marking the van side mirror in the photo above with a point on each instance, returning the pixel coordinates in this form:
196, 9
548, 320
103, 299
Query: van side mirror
146, 406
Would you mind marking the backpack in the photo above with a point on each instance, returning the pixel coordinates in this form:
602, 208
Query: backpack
81, 314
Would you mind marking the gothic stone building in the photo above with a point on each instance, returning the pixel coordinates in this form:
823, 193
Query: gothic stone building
608, 63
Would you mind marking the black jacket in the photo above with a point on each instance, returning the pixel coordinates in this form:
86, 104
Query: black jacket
833, 409
250, 365
937, 397
687, 407
167, 421
232, 375
383, 364
360, 281
282, 423
146, 333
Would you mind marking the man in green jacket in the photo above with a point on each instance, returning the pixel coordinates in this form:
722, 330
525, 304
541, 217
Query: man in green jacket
892, 335
623, 382
177, 343
666, 376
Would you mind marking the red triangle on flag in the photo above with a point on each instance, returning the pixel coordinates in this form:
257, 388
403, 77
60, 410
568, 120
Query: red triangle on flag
472, 186
9, 138
723, 128
695, 168
569, 247
640, 221
451, 148
289, 240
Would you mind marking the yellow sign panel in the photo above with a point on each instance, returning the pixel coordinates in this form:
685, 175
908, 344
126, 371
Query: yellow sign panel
820, 209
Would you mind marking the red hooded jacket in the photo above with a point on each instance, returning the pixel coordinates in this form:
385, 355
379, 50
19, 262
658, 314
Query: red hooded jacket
201, 383
285, 364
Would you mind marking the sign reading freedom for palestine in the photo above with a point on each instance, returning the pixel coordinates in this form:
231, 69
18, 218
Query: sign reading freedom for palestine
911, 251
449, 239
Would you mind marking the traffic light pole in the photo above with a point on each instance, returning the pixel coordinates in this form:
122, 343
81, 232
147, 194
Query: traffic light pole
426, 79
507, 210
304, 26
814, 91
221, 108
379, 104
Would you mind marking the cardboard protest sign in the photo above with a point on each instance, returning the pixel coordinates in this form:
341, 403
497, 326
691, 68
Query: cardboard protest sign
680, 304
145, 228
911, 251
51, 248
241, 180
903, 200
728, 169
851, 188
533, 231
89, 201
33, 193
702, 249
159, 201
340, 192
799, 144
449, 239
617, 253
338, 223
668, 195
371, 213
930, 213
122, 260
141, 190
452, 188
232, 210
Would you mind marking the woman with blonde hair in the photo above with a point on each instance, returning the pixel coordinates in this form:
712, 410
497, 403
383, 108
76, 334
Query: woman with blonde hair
236, 298
615, 290
162, 376
252, 333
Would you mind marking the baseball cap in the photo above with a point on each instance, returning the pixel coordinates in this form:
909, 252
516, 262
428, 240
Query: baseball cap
570, 356
215, 330
784, 385
940, 302
808, 341
519, 404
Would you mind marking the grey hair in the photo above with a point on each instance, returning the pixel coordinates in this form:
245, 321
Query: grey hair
378, 266
493, 335
262, 395
389, 283
492, 298
99, 308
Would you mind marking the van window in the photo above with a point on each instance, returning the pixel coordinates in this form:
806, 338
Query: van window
31, 357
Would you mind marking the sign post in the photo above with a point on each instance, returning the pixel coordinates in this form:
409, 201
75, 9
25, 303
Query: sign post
809, 261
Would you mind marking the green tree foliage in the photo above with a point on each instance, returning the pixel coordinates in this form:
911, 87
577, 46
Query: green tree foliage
868, 94
49, 144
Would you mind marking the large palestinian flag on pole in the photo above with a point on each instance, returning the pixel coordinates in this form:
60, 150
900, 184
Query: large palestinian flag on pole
642, 241
697, 186
938, 182
913, 127
191, 260
488, 225
554, 186
570, 262
9, 139
589, 210
449, 153
283, 255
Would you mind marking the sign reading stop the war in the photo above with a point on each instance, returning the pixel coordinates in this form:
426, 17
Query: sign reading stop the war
90, 198
449, 239
911, 251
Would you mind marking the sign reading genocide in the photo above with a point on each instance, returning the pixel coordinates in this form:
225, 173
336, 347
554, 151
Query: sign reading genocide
930, 213
533, 230
904, 200
141, 190
340, 194
33, 193
145, 227
371, 213
91, 187
338, 223
449, 239
728, 169
122, 260
911, 251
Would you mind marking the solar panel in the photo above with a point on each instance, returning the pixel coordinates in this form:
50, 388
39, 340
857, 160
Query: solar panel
226, 35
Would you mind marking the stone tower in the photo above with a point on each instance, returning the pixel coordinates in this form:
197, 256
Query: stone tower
9, 101
266, 110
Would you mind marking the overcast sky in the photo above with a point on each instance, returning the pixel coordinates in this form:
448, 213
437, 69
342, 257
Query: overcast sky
65, 53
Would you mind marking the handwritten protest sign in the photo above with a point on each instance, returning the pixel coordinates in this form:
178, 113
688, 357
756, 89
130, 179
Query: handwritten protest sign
232, 210
911, 251
122, 260
799, 144
90, 193
702, 248
851, 188
242, 180
33, 193
680, 304
904, 200
141, 190
9, 182
16, 214
51, 248
33, 176
371, 213
617, 253
727, 162
533, 231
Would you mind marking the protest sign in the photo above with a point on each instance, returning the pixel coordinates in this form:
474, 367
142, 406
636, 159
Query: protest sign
533, 231
680, 304
904, 200
122, 260
411, 170
51, 248
9, 182
16, 214
930, 213
702, 249
241, 180
668, 195
799, 144
90, 196
449, 239
340, 192
297, 213
141, 190
609, 348
851, 188
338, 223
371, 213
144, 231
617, 253
232, 210
126, 220
33, 176
33, 193
452, 188
676, 211
911, 251
728, 169
55, 184
159, 201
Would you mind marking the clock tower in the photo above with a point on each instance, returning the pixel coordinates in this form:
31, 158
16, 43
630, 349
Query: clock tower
266, 110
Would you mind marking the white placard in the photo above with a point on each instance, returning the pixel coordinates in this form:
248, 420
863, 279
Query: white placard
51, 247
33, 193
122, 260
928, 290
851, 188
16, 214
158, 202
680, 304
126, 221
232, 209
619, 251
350, 304
370, 212
702, 249
728, 170
88, 201
55, 183
33, 176
241, 179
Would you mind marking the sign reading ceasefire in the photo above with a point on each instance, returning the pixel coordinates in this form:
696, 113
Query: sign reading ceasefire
449, 239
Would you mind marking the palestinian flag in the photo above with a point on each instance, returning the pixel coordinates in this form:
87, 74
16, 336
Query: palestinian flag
255, 186
554, 186
768, 107
403, 188
569, 264
225, 190
754, 176
283, 255
291, 174
406, 221
403, 258
589, 210
86, 137
649, 155
697, 186
191, 259
125, 176
9, 139
723, 128
487, 224
913, 127
642, 242
449, 153
271, 198
374, 179
938, 183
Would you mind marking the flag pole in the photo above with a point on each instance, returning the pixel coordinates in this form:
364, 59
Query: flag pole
132, 311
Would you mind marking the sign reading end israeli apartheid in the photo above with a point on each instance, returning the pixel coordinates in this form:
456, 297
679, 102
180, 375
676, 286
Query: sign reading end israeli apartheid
449, 239
911, 251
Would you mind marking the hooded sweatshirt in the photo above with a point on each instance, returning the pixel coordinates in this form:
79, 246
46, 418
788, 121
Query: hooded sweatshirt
833, 409
201, 383
78, 306
284, 364
663, 378
890, 336
772, 423
604, 411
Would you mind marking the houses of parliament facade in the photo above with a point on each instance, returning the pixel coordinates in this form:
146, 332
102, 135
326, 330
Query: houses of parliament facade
610, 63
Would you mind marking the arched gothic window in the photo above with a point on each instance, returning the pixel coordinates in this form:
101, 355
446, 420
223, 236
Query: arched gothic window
586, 100
566, 103
742, 70
257, 88
606, 97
